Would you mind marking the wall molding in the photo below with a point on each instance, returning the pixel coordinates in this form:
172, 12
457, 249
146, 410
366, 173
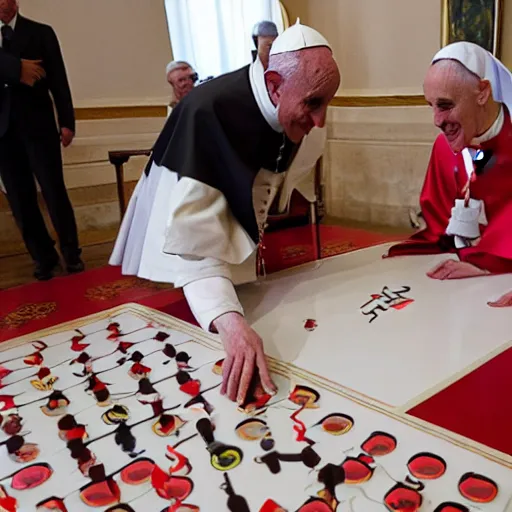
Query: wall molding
152, 111
120, 112
399, 100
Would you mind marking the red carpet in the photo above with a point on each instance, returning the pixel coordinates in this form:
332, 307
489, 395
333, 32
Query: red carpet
295, 246
476, 406
39, 305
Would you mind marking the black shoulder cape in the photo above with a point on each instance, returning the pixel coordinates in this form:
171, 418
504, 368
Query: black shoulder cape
218, 136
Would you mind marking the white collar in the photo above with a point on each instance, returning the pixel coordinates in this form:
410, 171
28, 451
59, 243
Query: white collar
494, 130
12, 23
259, 89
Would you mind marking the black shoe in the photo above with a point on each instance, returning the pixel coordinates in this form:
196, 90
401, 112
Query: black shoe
75, 265
44, 271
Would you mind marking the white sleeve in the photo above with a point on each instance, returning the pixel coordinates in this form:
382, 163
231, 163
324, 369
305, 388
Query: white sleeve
210, 298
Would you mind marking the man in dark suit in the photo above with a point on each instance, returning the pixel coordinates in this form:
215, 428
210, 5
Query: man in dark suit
32, 68
264, 34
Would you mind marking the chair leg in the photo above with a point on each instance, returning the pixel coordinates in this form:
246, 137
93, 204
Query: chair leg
315, 230
120, 189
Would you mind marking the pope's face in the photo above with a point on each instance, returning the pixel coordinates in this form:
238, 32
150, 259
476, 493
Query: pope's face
8, 9
303, 97
456, 99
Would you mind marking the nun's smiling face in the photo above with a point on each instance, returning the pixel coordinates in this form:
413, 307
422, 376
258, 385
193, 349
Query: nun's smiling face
457, 98
302, 84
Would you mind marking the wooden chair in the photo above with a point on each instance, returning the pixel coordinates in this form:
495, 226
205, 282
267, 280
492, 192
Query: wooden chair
118, 158
301, 212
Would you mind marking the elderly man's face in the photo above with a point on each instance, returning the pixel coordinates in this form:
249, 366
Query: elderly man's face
456, 99
8, 8
264, 45
182, 81
303, 96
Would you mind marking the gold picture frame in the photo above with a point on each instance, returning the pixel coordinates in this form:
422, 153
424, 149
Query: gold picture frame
477, 21
284, 14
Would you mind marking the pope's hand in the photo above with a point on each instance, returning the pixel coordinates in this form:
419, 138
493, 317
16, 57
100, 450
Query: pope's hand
502, 302
453, 269
244, 353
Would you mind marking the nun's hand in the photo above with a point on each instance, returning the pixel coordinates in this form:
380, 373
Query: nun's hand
503, 302
244, 353
453, 269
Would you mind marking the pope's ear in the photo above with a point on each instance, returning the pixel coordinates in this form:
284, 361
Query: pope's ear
274, 81
484, 92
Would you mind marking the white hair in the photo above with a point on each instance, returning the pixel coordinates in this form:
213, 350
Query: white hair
177, 64
286, 64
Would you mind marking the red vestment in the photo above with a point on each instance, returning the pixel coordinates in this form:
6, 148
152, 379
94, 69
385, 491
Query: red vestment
445, 179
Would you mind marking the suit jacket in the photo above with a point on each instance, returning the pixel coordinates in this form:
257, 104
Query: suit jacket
30, 109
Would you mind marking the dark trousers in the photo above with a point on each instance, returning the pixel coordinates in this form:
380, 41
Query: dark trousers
21, 158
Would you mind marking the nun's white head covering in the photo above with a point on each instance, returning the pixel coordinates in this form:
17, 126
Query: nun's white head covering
484, 65
298, 37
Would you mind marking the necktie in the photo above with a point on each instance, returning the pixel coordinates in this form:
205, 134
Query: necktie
7, 37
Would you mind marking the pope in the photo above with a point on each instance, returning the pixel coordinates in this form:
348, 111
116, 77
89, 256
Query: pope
230, 148
466, 200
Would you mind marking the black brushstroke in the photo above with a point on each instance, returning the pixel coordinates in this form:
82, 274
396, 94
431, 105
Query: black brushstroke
14, 443
161, 336
126, 440
169, 351
216, 448
235, 503
272, 460
182, 357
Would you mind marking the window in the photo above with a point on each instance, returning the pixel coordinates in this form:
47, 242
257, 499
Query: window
215, 36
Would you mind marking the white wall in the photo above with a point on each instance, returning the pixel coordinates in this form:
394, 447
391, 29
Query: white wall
375, 162
115, 50
382, 46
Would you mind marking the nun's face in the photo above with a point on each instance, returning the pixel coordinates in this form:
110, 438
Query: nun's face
304, 94
457, 99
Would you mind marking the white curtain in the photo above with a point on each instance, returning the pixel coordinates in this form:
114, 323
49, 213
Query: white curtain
214, 36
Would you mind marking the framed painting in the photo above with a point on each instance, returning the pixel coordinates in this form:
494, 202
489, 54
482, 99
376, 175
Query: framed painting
476, 21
